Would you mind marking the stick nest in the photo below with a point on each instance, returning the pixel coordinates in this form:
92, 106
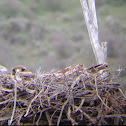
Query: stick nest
74, 95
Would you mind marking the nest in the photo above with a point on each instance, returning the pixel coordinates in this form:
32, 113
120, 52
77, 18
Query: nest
73, 96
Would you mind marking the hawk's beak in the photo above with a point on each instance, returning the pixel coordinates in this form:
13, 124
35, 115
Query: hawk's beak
18, 70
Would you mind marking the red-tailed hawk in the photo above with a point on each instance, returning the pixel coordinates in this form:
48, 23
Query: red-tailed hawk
20, 73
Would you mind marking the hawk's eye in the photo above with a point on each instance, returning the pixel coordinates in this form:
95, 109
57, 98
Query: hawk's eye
23, 69
13, 72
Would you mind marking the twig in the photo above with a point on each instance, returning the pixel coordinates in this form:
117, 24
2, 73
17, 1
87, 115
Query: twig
122, 93
48, 118
61, 112
115, 115
38, 118
53, 114
33, 101
70, 118
35, 98
82, 102
15, 98
86, 115
98, 94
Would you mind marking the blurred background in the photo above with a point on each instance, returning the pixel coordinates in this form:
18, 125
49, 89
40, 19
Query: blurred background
52, 34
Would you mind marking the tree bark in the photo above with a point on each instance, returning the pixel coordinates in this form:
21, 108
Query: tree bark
89, 11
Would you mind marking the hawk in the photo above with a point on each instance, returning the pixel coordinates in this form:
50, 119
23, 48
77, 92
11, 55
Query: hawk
20, 73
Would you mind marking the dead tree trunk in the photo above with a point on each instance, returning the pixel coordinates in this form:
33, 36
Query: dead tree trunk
89, 11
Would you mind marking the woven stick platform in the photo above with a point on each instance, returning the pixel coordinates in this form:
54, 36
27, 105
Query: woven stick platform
74, 95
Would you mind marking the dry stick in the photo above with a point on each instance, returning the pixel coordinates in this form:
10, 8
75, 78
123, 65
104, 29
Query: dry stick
89, 12
38, 119
54, 94
86, 115
98, 94
61, 112
44, 110
35, 98
15, 98
53, 114
115, 115
48, 118
70, 118
122, 93
6, 89
4, 118
33, 101
82, 102
4, 102
78, 80
20, 117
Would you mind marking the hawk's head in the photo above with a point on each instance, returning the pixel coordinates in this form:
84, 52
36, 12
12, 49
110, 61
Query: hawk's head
20, 73
17, 69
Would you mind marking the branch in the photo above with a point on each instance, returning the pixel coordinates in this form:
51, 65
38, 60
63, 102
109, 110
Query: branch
15, 99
